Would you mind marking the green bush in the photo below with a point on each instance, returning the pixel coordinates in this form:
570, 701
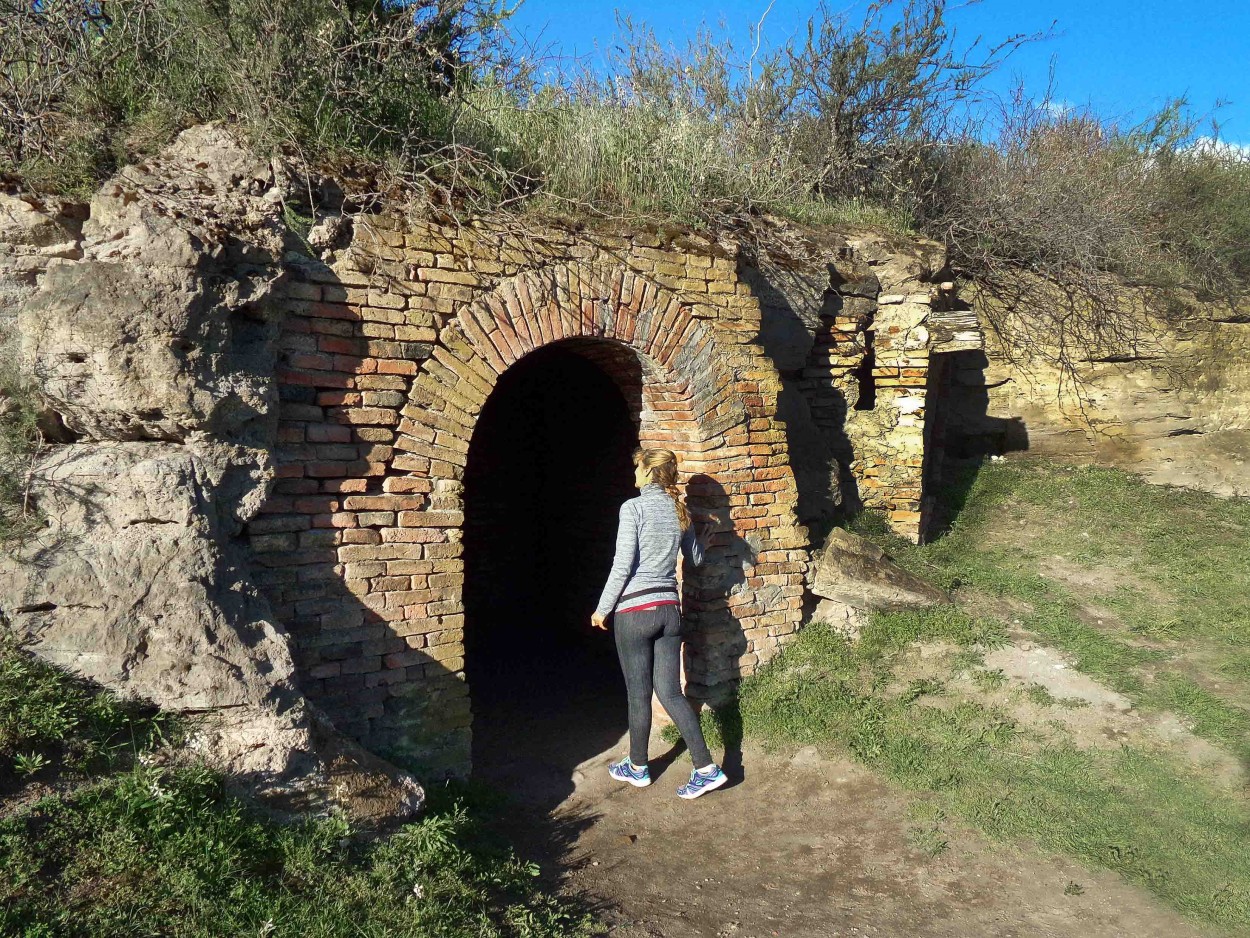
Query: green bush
830, 126
1058, 210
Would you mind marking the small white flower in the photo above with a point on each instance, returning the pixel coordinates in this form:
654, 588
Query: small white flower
417, 890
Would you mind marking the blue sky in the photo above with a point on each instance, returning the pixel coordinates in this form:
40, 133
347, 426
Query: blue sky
1124, 57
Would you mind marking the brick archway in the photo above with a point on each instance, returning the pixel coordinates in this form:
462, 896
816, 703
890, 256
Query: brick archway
740, 603
688, 399
370, 578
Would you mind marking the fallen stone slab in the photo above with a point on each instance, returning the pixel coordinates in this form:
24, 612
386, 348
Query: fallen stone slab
856, 572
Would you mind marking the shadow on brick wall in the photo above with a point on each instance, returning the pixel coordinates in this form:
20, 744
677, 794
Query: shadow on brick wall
362, 594
820, 449
360, 547
717, 647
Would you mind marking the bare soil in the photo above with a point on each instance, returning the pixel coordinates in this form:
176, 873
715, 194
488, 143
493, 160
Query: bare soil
1083, 713
800, 844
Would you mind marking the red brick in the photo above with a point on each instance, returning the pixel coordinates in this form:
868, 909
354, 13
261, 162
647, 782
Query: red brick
396, 367
328, 433
341, 346
355, 365
317, 379
333, 311
406, 484
331, 398
311, 360
344, 485
327, 469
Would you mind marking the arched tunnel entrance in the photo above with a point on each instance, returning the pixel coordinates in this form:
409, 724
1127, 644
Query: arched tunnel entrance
548, 467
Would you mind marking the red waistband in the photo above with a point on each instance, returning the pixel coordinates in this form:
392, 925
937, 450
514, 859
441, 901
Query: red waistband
658, 602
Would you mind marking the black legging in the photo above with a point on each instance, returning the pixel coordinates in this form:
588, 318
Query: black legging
649, 645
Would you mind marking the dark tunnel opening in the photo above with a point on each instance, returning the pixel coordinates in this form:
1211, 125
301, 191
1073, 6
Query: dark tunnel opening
548, 468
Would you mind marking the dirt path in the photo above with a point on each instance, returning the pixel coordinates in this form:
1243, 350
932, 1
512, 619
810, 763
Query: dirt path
799, 846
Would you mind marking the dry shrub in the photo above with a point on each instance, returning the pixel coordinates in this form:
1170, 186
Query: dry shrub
880, 119
1204, 213
1084, 236
820, 127
85, 87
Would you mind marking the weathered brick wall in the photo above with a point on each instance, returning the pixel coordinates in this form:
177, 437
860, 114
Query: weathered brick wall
850, 326
866, 382
389, 353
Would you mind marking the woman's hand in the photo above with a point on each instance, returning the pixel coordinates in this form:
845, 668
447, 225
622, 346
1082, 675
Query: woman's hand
598, 622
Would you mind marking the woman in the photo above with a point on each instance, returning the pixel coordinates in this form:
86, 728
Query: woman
642, 590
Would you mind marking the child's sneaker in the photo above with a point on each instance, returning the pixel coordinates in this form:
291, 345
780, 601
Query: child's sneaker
702, 781
625, 771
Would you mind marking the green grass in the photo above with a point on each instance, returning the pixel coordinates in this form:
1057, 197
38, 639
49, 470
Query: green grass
1158, 821
144, 850
19, 440
51, 722
154, 852
1167, 570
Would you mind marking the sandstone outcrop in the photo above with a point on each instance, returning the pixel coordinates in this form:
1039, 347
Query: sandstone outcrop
153, 347
1170, 401
35, 234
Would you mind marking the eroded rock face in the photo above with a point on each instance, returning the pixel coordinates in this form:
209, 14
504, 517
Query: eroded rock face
35, 234
1171, 401
170, 358
163, 329
855, 572
153, 344
132, 585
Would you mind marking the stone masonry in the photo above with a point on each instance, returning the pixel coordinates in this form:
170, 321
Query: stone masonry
850, 322
387, 355
882, 352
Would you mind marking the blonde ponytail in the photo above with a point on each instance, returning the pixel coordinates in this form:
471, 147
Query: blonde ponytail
662, 466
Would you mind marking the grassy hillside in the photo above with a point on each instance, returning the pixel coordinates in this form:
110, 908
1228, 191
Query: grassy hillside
1141, 587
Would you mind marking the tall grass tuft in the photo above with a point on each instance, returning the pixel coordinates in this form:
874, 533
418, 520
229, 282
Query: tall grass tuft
20, 441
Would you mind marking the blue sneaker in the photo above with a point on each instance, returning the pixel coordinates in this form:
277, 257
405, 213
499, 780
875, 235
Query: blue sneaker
702, 781
625, 771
